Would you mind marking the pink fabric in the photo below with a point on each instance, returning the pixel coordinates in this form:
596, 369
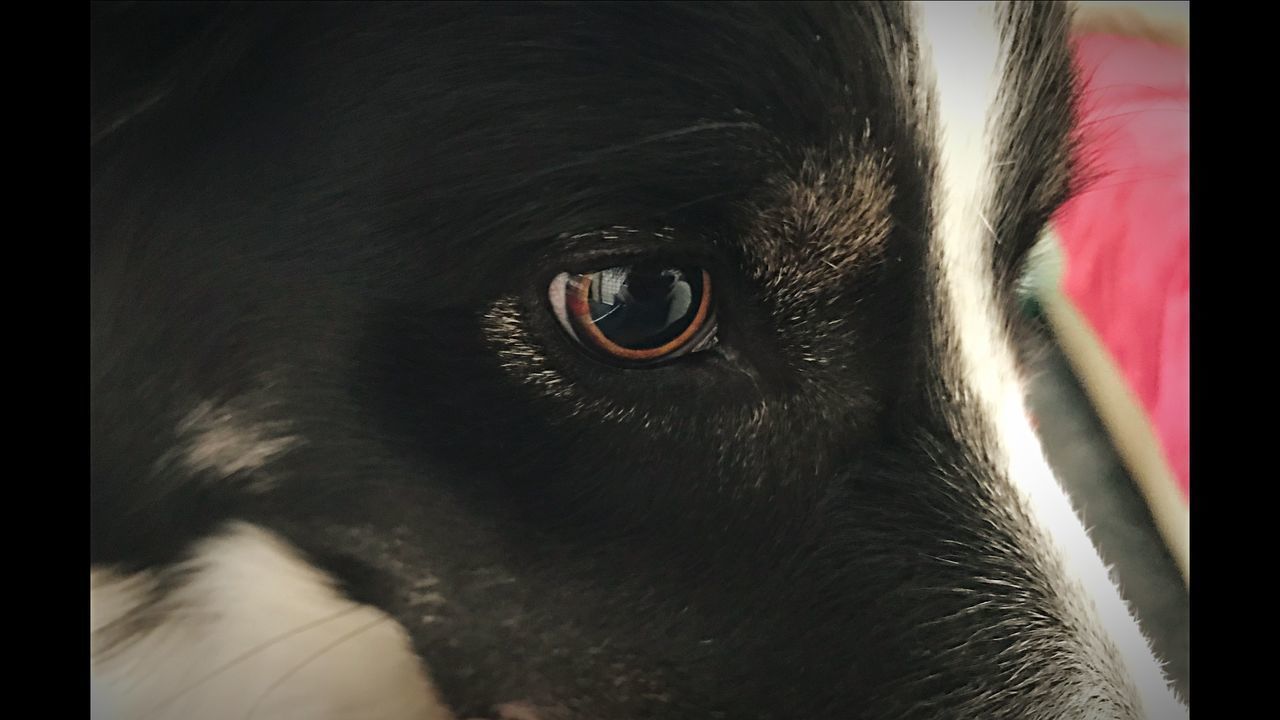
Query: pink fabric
1126, 238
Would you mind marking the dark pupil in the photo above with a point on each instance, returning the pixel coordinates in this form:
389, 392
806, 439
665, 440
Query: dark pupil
641, 308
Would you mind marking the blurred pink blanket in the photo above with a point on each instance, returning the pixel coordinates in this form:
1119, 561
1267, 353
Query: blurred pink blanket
1126, 238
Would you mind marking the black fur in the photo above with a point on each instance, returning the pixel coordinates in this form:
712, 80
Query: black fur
340, 221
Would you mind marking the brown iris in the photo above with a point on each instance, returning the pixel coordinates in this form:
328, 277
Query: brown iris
637, 314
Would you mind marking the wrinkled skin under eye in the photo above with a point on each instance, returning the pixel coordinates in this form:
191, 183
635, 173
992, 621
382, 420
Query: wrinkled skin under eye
636, 315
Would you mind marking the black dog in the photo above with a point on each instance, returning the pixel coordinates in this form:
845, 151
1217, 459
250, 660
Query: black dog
582, 361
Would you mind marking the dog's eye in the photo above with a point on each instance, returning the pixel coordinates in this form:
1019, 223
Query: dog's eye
637, 315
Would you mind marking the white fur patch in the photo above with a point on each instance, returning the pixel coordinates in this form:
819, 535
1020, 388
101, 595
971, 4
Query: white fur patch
221, 441
963, 46
254, 632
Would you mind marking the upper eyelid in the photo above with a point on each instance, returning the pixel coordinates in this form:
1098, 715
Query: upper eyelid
599, 249
624, 232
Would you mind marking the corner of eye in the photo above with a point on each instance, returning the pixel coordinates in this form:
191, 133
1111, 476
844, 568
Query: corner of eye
555, 292
556, 296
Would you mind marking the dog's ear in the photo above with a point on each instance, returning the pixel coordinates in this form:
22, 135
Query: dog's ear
143, 56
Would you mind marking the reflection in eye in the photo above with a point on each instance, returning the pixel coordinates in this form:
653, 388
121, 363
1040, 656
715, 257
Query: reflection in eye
638, 314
